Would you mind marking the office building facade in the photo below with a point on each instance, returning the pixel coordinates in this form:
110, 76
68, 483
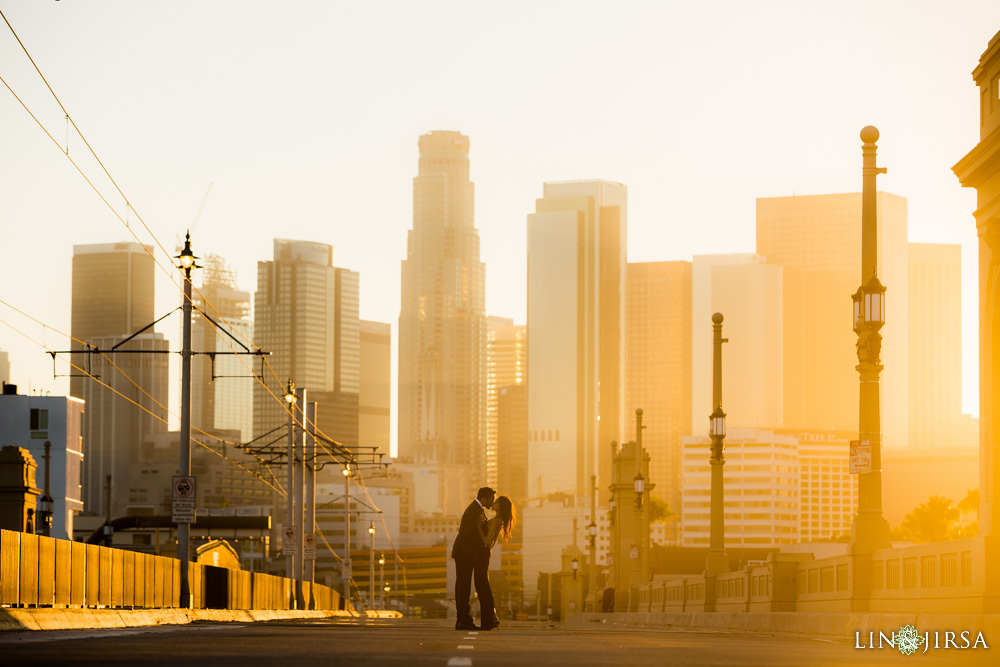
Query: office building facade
577, 270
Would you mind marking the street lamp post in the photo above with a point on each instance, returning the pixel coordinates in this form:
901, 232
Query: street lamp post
290, 398
870, 527
371, 565
187, 265
592, 546
717, 562
381, 578
46, 502
347, 564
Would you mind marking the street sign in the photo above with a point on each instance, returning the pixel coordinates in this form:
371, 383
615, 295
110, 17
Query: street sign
609, 559
347, 568
182, 507
309, 546
634, 552
290, 540
861, 456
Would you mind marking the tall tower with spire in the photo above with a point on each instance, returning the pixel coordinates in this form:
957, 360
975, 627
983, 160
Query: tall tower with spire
442, 320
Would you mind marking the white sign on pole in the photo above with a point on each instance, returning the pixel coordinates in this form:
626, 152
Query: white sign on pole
861, 456
309, 546
347, 568
290, 540
182, 507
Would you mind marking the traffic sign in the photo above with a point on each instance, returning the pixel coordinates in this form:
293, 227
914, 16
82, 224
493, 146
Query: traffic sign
309, 546
183, 505
290, 540
347, 567
861, 456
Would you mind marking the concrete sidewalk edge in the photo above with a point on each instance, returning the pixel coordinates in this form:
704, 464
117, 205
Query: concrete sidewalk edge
14, 619
803, 623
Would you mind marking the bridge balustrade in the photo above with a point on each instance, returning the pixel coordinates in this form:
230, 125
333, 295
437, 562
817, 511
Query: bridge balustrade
38, 571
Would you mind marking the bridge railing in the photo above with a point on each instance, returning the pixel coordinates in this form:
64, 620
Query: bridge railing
38, 571
937, 577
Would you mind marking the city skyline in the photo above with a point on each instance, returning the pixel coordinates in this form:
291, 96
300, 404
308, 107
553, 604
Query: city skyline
920, 141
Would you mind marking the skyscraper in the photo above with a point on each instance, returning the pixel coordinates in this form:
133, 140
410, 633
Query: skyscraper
577, 256
507, 367
112, 295
118, 420
748, 293
222, 386
658, 375
442, 319
306, 315
935, 344
820, 236
113, 299
376, 377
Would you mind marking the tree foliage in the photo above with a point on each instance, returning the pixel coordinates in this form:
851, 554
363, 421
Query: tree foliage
939, 519
659, 510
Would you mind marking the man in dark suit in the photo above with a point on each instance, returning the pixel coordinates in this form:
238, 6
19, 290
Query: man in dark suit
472, 556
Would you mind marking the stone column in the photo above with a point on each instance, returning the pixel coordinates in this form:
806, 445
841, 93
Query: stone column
17, 489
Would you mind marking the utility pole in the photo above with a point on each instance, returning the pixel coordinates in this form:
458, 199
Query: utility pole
299, 506
187, 265
347, 564
310, 521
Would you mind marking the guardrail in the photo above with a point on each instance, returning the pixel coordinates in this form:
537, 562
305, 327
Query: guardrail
38, 571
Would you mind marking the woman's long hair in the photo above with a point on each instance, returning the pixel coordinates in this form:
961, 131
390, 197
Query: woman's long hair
508, 517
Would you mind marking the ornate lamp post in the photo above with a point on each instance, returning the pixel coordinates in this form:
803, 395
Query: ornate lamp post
45, 505
187, 265
870, 527
371, 566
717, 562
592, 546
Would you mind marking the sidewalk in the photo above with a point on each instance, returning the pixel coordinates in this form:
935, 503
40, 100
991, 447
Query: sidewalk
13, 619
801, 623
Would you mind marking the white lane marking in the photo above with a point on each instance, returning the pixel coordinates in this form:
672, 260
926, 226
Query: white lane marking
460, 662
463, 646
473, 634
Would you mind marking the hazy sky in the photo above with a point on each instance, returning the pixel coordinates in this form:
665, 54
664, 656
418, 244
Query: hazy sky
305, 116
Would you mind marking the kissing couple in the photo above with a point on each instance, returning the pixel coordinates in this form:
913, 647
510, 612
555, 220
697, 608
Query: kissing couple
471, 551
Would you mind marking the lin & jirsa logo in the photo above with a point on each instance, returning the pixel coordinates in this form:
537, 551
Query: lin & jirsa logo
908, 640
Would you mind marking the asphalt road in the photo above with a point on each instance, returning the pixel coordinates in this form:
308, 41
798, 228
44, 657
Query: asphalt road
425, 642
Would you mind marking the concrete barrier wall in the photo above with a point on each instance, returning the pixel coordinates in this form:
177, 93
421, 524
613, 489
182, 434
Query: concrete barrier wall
38, 571
945, 577
824, 584
732, 591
